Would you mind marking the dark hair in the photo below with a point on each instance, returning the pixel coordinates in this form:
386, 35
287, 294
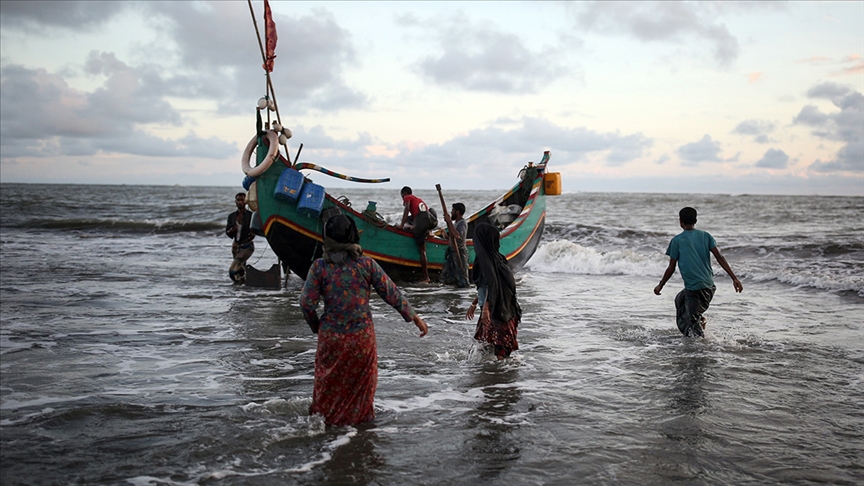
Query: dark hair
406, 190
341, 229
459, 207
240, 194
687, 215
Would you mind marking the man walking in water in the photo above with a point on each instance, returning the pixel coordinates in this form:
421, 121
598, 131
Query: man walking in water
238, 229
691, 250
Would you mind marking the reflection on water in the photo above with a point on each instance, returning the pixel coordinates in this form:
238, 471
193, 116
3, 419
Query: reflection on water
493, 447
687, 395
354, 461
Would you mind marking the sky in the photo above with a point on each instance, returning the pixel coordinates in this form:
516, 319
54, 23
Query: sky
667, 97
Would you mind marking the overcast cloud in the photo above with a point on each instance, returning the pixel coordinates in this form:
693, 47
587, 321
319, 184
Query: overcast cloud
36, 16
461, 93
704, 150
758, 129
773, 159
846, 126
482, 58
675, 23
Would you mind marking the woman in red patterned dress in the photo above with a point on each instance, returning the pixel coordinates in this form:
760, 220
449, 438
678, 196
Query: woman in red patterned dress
500, 312
346, 361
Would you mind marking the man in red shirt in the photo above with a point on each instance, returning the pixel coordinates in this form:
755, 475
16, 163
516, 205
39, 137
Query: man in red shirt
421, 219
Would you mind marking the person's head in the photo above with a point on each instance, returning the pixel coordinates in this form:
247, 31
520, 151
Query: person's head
687, 216
240, 200
487, 237
458, 208
406, 191
341, 229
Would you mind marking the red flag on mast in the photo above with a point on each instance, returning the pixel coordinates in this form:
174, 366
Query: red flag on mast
270, 37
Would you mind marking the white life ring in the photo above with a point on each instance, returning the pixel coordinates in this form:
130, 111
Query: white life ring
259, 169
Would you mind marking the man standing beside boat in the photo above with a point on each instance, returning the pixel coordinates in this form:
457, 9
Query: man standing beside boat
243, 247
455, 270
420, 218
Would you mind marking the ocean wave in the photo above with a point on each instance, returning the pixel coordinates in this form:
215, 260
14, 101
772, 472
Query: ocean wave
594, 235
563, 256
849, 281
121, 226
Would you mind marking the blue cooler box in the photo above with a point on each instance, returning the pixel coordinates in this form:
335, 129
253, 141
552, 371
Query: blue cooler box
289, 186
311, 200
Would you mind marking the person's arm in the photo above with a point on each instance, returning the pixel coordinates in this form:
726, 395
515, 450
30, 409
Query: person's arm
461, 230
309, 298
485, 314
470, 314
666, 275
404, 218
723, 263
231, 226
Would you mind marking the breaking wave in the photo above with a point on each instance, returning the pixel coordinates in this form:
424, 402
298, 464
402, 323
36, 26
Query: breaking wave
562, 256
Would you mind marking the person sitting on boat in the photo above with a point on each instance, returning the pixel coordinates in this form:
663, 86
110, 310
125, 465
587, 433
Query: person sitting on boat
243, 247
455, 272
346, 360
420, 218
500, 312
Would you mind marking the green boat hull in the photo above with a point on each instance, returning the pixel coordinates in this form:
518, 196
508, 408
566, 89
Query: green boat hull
296, 237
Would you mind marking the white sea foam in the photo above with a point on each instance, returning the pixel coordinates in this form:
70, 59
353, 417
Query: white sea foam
432, 401
563, 256
816, 277
278, 406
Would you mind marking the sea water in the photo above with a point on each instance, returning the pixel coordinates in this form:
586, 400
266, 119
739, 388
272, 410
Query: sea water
128, 357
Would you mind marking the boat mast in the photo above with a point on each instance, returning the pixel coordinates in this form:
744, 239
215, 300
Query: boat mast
270, 90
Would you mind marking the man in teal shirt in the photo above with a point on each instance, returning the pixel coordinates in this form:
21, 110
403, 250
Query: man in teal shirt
691, 251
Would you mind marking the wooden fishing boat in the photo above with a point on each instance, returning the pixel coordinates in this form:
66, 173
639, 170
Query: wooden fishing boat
291, 209
294, 232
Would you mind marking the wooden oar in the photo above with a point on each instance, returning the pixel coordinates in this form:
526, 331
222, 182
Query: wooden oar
451, 230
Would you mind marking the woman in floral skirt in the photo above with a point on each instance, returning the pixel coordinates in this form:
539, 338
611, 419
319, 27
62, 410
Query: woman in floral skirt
346, 361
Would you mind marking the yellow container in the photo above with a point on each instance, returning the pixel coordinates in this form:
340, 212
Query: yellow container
552, 183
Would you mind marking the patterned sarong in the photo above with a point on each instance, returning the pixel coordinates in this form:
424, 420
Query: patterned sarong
500, 334
346, 375
689, 306
452, 273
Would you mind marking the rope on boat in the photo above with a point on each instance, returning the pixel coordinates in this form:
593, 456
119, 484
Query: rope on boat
307, 165
373, 218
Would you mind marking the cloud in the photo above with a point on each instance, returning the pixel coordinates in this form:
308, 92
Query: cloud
36, 16
480, 58
208, 51
317, 137
41, 115
856, 67
846, 126
312, 55
671, 22
758, 129
773, 159
704, 150
482, 154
